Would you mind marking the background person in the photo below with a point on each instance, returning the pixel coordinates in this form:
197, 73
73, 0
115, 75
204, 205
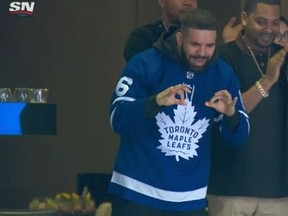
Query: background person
251, 180
282, 37
172, 12
163, 107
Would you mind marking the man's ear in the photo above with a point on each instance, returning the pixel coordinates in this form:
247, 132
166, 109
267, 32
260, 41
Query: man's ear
179, 38
244, 18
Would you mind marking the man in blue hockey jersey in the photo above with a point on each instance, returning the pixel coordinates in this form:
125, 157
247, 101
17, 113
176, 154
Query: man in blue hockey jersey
164, 106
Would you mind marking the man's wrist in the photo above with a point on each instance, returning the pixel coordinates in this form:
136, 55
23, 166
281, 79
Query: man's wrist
231, 112
233, 121
152, 107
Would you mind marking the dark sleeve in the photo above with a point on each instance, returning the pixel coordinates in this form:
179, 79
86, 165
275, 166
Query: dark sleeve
143, 38
151, 107
234, 56
233, 121
138, 41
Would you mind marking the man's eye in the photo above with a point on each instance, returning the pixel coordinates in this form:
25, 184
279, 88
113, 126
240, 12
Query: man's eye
261, 22
285, 36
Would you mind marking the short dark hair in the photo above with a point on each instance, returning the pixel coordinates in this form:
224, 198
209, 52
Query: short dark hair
198, 19
250, 5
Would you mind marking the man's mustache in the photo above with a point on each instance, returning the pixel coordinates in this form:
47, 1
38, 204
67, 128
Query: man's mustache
199, 57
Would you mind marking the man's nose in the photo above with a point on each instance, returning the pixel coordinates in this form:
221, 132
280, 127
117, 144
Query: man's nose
270, 28
190, 3
202, 51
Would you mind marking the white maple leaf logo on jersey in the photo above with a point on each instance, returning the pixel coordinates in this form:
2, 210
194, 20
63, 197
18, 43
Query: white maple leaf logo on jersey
180, 137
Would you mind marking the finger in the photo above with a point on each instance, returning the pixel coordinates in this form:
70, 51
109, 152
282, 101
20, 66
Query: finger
286, 47
179, 101
215, 99
281, 55
284, 51
211, 104
234, 101
179, 90
239, 27
231, 21
225, 94
186, 89
182, 97
208, 104
181, 87
222, 92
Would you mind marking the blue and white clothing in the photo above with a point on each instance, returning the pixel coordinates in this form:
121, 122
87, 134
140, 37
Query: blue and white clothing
163, 162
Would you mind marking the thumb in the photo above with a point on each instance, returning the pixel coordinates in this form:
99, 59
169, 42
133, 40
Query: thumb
231, 21
234, 101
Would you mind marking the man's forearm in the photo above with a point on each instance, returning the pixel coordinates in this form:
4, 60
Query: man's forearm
253, 96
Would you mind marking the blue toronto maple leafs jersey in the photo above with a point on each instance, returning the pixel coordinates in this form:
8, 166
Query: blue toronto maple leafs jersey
163, 162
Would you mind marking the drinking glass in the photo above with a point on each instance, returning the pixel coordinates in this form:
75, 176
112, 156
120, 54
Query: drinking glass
22, 95
5, 95
39, 95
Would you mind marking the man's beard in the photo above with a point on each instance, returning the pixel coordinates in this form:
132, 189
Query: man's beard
256, 42
187, 64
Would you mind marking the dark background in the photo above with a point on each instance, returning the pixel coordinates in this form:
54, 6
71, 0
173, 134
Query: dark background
74, 48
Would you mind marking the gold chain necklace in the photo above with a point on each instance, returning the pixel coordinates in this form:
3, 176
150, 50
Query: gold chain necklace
254, 58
